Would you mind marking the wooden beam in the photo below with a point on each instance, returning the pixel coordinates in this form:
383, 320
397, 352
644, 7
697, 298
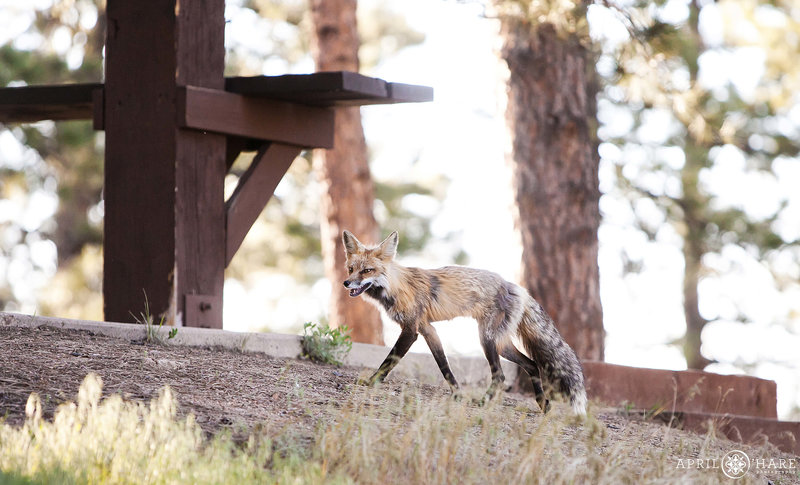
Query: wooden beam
254, 190
333, 88
26, 104
265, 119
99, 108
323, 89
164, 195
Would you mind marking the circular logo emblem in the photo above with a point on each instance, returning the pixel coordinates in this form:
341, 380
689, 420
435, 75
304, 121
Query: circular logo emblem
735, 464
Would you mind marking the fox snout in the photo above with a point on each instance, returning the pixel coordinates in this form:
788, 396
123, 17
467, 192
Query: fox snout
357, 287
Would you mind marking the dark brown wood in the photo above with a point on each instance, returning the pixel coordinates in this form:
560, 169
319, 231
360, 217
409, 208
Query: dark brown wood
338, 88
164, 226
332, 88
203, 310
35, 103
265, 119
99, 108
551, 105
254, 190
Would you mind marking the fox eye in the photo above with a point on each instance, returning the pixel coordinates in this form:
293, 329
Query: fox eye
368, 270
350, 270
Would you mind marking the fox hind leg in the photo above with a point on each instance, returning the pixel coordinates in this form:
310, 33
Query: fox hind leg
490, 350
514, 355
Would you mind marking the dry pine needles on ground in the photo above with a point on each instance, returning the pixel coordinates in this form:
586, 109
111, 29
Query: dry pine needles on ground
257, 419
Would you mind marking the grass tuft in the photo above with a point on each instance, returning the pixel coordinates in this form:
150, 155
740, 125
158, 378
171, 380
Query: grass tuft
324, 344
152, 331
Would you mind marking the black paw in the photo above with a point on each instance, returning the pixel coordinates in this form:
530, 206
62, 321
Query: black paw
545, 407
371, 382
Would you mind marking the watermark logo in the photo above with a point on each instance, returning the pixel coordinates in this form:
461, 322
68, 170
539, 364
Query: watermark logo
735, 464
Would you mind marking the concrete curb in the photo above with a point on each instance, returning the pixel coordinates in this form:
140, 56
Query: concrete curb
686, 390
470, 371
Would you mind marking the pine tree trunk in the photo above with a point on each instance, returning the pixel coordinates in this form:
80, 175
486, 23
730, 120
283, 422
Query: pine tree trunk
695, 218
695, 323
348, 196
551, 114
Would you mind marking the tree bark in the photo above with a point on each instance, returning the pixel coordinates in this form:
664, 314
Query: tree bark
348, 193
692, 255
693, 206
551, 115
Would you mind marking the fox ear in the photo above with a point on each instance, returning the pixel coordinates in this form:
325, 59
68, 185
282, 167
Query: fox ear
351, 244
388, 248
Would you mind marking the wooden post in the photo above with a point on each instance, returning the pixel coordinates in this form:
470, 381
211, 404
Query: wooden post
164, 207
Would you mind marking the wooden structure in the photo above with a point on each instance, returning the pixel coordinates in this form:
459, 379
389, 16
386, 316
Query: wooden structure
174, 125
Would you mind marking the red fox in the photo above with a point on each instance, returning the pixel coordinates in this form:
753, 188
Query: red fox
415, 297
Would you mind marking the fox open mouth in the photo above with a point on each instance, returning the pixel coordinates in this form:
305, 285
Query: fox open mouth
361, 289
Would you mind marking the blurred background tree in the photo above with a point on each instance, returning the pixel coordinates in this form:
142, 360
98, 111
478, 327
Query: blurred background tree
551, 116
348, 195
693, 137
52, 223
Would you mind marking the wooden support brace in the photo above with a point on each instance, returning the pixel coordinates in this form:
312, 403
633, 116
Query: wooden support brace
264, 119
254, 190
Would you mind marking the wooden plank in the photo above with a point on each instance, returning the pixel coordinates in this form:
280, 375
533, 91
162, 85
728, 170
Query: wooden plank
99, 108
254, 190
322, 88
164, 198
409, 93
337, 88
25, 104
139, 193
264, 119
342, 88
200, 166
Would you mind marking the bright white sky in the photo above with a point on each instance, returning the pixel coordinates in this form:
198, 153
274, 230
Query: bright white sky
462, 135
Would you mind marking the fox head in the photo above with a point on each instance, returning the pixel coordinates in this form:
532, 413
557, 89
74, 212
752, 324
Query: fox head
366, 267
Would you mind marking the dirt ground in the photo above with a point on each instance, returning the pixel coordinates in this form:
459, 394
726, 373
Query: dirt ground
224, 389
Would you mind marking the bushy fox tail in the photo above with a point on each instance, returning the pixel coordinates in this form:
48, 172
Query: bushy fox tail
560, 368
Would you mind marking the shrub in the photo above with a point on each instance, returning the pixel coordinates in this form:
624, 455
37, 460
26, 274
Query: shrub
324, 344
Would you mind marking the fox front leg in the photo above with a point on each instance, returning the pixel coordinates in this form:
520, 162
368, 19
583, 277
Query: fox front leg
432, 338
407, 337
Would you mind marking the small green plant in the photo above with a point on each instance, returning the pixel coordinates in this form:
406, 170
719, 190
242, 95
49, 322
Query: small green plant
324, 344
152, 331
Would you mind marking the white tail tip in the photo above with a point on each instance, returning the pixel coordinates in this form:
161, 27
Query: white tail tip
578, 402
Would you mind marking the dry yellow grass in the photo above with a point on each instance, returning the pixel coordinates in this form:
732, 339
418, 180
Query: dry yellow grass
374, 436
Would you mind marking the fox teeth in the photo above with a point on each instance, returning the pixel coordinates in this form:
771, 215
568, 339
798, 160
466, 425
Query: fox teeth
357, 291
